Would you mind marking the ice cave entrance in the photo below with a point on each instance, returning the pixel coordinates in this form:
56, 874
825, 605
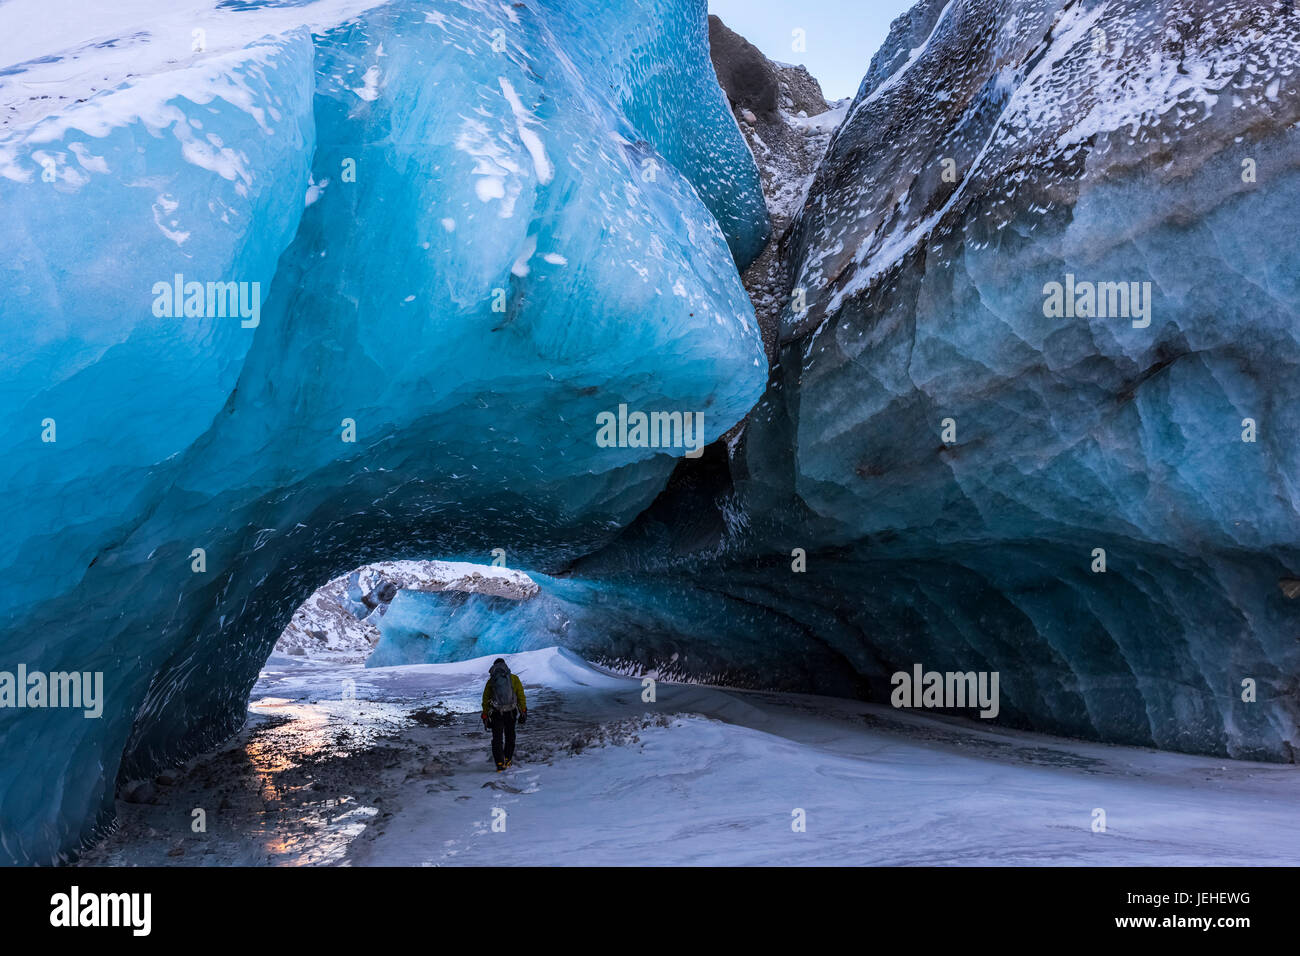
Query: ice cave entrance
298, 782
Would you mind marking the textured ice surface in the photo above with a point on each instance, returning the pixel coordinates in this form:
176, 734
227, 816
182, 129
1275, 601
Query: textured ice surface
472, 226
1126, 142
1113, 142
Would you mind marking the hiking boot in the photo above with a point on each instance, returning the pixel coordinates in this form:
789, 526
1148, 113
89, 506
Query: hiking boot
509, 762
502, 766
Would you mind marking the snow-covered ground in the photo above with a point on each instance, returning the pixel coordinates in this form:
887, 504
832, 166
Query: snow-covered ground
57, 52
401, 775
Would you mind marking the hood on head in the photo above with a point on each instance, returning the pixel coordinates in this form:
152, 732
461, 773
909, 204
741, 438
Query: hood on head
499, 667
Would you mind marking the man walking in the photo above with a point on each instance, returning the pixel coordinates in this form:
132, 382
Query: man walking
503, 703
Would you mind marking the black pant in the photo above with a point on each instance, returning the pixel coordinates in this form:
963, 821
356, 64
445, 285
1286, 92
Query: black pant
503, 722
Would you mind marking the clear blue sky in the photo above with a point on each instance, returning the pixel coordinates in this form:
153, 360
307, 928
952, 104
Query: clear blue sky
841, 36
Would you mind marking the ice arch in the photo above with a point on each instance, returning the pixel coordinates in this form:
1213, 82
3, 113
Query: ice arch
468, 228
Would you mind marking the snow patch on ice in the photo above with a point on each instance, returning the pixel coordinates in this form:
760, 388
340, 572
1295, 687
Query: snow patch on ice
369, 89
83, 49
532, 142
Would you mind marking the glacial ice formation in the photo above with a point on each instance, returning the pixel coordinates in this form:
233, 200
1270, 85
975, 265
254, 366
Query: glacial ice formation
955, 456
476, 226
993, 150
460, 230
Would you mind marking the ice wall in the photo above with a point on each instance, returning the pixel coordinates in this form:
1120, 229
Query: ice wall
955, 452
981, 446
950, 466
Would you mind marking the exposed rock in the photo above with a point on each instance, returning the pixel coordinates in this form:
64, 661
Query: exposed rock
744, 73
801, 94
767, 99
140, 792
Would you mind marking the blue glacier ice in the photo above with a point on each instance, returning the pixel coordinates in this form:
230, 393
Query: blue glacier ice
975, 450
462, 231
953, 458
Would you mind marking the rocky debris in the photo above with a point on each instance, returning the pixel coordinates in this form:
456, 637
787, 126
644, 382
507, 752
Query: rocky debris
434, 717
747, 77
623, 733
788, 124
140, 792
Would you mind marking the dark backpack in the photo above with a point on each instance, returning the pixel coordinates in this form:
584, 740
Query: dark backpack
502, 693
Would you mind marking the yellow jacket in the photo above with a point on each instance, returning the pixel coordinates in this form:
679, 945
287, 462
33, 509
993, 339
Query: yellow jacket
519, 693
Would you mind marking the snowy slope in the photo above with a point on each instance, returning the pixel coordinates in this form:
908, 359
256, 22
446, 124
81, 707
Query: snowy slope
57, 52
